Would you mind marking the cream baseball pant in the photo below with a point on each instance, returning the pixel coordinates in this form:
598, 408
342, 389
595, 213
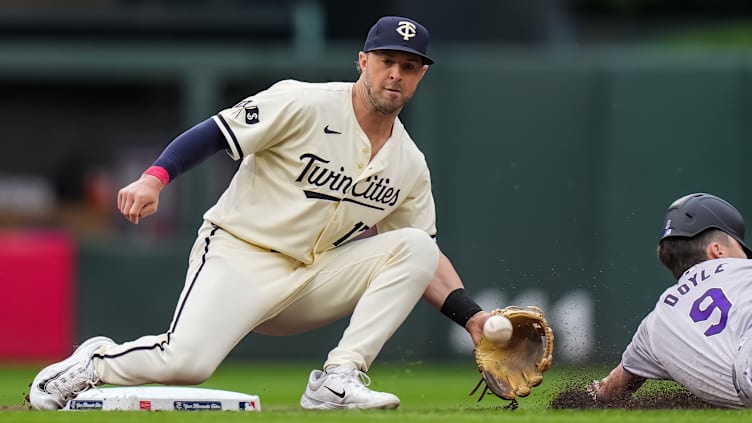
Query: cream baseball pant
233, 288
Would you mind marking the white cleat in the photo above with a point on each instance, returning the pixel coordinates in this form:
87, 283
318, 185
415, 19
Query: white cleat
60, 382
343, 387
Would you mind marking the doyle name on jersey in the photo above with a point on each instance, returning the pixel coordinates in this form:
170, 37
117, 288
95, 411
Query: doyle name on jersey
693, 278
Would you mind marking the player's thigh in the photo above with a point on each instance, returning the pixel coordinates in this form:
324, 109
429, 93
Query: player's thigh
742, 367
230, 287
341, 276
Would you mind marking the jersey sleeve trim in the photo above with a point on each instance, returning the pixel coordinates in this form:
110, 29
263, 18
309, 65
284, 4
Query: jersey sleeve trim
232, 141
191, 148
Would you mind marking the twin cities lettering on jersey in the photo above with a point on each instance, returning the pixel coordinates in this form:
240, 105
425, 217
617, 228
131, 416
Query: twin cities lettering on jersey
374, 189
695, 279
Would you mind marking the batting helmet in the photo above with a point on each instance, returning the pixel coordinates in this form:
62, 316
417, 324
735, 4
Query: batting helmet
694, 213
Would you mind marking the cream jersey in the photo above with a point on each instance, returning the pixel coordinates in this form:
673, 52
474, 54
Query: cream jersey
307, 183
693, 334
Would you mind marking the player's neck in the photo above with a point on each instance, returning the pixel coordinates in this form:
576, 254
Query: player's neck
377, 126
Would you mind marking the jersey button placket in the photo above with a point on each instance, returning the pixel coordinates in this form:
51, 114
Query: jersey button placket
365, 156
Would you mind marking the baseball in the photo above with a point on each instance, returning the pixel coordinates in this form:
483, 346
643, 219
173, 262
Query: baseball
497, 329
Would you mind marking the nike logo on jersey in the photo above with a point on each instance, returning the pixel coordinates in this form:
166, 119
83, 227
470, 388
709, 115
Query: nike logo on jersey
330, 131
339, 394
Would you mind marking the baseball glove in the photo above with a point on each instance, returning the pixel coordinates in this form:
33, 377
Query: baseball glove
510, 369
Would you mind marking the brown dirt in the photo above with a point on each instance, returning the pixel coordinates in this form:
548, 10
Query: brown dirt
654, 400
653, 395
14, 407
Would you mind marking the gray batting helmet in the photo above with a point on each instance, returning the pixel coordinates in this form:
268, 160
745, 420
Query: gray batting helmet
694, 213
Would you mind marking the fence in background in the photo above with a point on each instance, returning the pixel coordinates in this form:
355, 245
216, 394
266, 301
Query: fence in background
551, 172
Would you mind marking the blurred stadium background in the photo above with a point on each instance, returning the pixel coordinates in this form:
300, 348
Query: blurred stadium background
557, 132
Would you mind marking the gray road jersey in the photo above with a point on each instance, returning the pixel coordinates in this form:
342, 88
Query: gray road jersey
694, 331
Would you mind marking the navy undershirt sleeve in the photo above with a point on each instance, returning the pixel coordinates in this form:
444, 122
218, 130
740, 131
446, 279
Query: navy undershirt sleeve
191, 148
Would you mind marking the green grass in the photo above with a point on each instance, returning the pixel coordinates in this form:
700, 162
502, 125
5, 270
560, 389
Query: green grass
429, 393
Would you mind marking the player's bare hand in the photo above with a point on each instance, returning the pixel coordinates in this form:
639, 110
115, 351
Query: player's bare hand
474, 326
140, 198
617, 386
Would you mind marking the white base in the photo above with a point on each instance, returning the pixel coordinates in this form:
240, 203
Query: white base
163, 398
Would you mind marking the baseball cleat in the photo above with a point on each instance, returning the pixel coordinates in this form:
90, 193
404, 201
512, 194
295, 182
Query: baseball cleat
343, 387
62, 381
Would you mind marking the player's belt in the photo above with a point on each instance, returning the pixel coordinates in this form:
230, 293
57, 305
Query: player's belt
271, 250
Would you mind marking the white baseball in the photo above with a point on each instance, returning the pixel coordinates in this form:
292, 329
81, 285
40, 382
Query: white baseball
497, 329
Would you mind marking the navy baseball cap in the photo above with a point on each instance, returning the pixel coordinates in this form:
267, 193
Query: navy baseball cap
694, 213
398, 33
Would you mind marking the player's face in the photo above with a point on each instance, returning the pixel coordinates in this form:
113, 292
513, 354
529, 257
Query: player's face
390, 78
728, 248
735, 249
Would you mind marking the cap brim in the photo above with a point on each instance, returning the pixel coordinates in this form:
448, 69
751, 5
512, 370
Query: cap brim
427, 60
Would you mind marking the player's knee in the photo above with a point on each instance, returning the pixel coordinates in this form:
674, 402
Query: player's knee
187, 370
421, 247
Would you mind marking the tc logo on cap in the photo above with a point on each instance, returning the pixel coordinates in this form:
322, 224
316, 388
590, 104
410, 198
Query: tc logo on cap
406, 29
400, 34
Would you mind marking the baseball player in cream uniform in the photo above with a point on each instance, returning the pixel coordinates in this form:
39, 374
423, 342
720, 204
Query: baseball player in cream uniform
330, 214
699, 333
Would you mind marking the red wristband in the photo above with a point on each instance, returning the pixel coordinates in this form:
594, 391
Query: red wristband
160, 173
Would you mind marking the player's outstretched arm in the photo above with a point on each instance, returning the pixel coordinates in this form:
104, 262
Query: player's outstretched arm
446, 293
140, 198
617, 386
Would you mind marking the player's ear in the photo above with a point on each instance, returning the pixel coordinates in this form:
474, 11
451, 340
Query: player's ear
715, 250
362, 60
